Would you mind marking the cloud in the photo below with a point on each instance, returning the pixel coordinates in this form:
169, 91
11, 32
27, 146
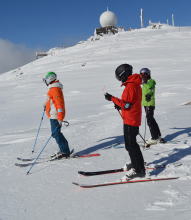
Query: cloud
14, 55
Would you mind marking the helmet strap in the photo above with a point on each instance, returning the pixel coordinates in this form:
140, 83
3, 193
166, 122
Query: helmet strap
125, 77
53, 81
145, 78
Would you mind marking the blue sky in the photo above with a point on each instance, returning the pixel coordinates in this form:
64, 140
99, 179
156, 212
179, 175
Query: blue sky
27, 26
50, 23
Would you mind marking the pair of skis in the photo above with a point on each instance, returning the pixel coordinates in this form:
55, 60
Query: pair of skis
95, 173
24, 162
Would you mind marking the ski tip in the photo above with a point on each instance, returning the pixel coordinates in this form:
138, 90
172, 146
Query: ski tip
81, 185
74, 183
18, 164
21, 164
82, 173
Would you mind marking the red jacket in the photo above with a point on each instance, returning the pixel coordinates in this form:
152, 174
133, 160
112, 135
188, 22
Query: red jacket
132, 94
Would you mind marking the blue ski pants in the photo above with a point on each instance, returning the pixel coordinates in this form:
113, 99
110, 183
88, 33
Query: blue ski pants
59, 137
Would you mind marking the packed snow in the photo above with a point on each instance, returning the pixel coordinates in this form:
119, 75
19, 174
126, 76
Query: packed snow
87, 72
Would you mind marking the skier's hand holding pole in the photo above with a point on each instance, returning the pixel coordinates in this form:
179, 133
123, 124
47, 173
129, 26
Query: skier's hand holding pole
108, 96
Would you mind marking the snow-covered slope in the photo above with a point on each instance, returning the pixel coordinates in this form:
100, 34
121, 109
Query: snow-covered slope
87, 72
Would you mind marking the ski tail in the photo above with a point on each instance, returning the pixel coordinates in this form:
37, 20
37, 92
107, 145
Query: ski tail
25, 159
86, 155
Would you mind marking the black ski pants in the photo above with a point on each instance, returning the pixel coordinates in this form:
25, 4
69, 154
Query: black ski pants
153, 126
131, 145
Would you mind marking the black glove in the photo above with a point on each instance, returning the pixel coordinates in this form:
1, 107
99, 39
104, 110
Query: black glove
148, 97
117, 107
108, 96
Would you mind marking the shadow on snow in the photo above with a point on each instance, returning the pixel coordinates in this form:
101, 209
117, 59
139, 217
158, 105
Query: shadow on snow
180, 131
110, 142
176, 155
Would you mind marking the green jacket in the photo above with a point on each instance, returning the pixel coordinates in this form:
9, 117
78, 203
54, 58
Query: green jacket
148, 88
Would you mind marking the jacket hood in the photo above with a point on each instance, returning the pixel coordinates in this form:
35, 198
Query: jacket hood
56, 84
134, 78
151, 82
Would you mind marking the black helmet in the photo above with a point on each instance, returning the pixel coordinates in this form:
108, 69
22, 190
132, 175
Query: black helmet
123, 72
145, 71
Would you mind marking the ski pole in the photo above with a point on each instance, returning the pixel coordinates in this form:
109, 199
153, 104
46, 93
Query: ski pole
145, 123
119, 113
41, 150
38, 131
143, 139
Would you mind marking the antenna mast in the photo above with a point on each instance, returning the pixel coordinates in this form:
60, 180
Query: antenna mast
141, 17
172, 19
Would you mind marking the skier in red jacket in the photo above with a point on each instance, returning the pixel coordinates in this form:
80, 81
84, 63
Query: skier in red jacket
130, 107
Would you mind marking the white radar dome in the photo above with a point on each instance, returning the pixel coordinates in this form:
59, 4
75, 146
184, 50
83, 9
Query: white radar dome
108, 18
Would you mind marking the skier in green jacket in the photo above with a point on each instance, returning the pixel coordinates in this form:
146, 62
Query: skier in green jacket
148, 101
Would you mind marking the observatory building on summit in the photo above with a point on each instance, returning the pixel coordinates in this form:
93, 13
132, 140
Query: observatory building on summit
108, 18
108, 22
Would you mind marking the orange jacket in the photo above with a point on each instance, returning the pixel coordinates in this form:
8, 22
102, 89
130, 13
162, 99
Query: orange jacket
55, 107
132, 94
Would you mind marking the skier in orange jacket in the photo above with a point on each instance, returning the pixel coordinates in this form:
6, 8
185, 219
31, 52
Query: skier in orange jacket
55, 110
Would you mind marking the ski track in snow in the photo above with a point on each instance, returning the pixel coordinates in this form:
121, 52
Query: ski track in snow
87, 72
172, 198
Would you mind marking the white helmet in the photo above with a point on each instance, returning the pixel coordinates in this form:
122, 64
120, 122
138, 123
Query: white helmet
50, 77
